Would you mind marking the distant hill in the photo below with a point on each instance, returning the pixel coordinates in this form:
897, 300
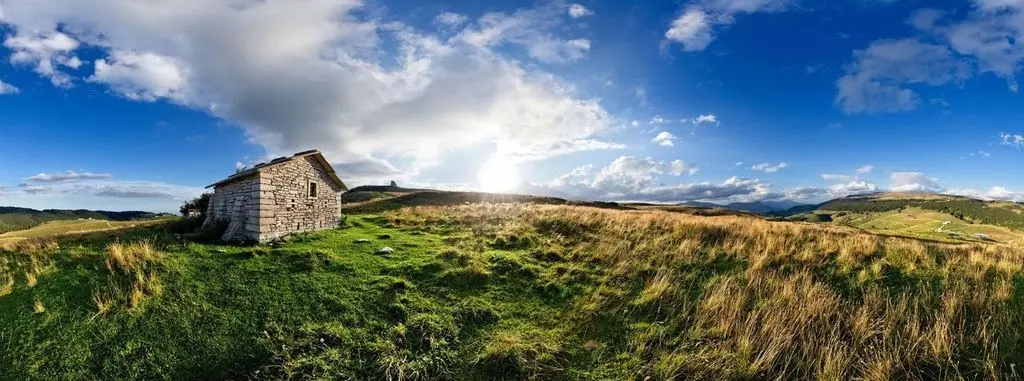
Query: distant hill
927, 216
15, 218
761, 207
1006, 214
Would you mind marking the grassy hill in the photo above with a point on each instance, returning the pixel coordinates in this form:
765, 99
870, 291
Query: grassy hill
69, 227
926, 216
14, 218
515, 291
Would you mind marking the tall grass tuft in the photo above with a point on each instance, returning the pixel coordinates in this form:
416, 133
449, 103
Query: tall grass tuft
133, 275
29, 257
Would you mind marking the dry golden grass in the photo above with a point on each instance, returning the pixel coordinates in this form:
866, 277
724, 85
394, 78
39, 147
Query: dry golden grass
132, 275
740, 297
129, 257
29, 258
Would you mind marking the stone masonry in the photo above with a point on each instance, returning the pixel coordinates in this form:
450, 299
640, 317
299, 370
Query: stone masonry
275, 199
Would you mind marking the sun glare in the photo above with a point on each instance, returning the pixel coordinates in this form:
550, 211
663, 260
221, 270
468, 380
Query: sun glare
498, 174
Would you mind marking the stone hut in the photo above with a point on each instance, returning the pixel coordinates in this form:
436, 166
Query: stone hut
300, 193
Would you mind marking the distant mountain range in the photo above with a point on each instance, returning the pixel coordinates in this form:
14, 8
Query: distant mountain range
15, 218
762, 207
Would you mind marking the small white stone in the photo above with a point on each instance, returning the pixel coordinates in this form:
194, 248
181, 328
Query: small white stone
385, 250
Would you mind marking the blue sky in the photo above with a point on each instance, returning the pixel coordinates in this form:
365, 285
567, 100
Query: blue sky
115, 104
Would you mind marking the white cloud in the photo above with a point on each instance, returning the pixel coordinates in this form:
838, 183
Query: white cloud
633, 179
986, 41
913, 182
141, 76
998, 193
67, 176
992, 37
102, 187
540, 152
625, 175
657, 119
769, 167
450, 19
320, 74
577, 11
811, 194
664, 139
45, 51
530, 28
851, 188
710, 118
7, 88
874, 82
1011, 140
865, 169
694, 28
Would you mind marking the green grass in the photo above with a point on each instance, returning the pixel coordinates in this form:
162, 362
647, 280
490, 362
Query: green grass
510, 292
925, 224
319, 305
61, 227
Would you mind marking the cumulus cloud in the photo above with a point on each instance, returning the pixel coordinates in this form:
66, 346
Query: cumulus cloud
664, 139
624, 175
874, 82
847, 188
577, 11
141, 76
987, 41
47, 52
694, 29
769, 167
991, 36
1011, 140
67, 176
913, 182
321, 74
865, 169
710, 118
7, 88
633, 179
996, 193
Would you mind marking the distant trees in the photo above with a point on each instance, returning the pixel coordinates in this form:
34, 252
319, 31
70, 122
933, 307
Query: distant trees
196, 207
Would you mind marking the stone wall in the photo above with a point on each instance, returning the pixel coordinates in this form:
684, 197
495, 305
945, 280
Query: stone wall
234, 202
275, 202
285, 204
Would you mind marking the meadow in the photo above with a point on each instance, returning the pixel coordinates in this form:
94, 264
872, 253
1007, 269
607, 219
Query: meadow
71, 227
515, 291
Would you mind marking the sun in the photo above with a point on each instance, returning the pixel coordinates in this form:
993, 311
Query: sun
498, 174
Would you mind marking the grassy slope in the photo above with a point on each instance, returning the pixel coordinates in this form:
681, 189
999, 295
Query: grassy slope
62, 227
925, 224
550, 292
